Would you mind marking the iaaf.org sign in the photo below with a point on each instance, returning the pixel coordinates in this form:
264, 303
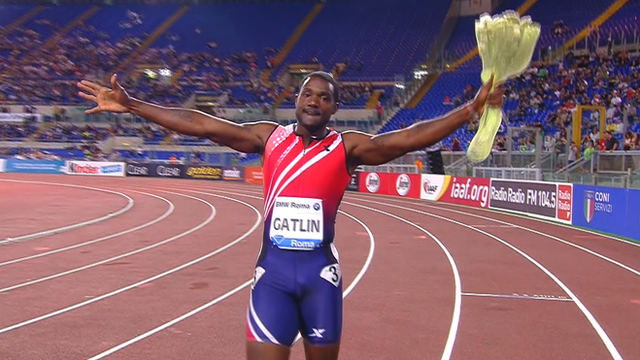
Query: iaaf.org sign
96, 168
532, 198
154, 170
467, 191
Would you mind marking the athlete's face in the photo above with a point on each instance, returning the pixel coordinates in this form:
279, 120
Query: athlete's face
315, 104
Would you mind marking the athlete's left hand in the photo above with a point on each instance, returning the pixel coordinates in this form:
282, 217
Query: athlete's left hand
485, 96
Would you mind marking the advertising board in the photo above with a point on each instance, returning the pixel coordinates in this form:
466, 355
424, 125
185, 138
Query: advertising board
611, 210
371, 182
546, 200
632, 228
404, 185
433, 186
565, 208
154, 170
538, 199
96, 168
35, 166
467, 191
203, 172
253, 175
2, 164
232, 173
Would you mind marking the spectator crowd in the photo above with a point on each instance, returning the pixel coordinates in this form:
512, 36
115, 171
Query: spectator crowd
546, 96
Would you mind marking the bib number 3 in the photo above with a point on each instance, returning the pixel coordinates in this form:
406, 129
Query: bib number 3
332, 274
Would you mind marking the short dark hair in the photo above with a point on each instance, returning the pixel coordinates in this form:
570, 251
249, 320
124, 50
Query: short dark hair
329, 78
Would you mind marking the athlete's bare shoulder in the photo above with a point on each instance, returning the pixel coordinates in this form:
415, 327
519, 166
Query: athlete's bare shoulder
252, 136
262, 128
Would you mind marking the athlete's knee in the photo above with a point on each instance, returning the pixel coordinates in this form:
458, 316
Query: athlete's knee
261, 351
321, 351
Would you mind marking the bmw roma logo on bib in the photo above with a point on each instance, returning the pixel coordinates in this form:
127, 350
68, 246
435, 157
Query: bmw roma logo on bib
297, 223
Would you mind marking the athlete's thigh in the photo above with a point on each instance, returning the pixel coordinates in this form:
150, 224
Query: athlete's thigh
264, 351
321, 352
321, 304
272, 315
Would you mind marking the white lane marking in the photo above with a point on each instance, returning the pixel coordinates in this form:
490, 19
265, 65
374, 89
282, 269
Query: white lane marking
445, 206
594, 323
61, 274
237, 289
521, 296
124, 232
508, 224
170, 323
118, 291
10, 240
455, 319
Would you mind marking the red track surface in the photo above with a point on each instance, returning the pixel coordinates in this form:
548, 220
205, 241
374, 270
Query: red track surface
77, 303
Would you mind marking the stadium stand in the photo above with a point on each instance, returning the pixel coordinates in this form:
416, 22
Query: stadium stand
533, 101
227, 49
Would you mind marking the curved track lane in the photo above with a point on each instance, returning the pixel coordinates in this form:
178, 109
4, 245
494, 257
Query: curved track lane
404, 304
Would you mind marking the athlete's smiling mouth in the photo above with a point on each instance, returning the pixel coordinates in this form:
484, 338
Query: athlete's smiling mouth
312, 112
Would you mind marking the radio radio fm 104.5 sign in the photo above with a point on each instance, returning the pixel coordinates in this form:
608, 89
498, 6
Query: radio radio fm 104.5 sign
544, 200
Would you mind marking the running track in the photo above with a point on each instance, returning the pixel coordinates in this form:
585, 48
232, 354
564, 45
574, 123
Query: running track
154, 268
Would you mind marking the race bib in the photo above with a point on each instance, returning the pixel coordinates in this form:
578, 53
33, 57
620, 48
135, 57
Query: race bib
297, 223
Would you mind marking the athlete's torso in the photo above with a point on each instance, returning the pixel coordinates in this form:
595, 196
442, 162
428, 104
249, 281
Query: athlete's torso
299, 184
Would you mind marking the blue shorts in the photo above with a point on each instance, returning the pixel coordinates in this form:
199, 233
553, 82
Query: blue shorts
296, 291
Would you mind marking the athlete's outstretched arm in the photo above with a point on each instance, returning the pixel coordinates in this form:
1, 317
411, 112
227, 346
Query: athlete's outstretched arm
365, 149
247, 138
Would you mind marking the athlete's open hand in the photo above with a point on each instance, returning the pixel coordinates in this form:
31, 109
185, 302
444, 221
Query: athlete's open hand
485, 96
112, 100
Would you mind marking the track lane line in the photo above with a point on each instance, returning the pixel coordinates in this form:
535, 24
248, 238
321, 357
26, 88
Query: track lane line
445, 206
151, 332
594, 323
129, 287
455, 318
508, 224
124, 232
89, 266
62, 229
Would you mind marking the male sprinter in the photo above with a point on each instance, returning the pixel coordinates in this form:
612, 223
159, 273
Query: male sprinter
297, 283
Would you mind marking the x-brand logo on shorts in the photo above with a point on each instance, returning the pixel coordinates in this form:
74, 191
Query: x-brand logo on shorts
317, 332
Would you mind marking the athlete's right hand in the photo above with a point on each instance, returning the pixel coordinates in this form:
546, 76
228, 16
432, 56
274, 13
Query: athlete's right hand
112, 100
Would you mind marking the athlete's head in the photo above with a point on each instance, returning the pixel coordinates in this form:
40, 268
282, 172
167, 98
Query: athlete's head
317, 100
